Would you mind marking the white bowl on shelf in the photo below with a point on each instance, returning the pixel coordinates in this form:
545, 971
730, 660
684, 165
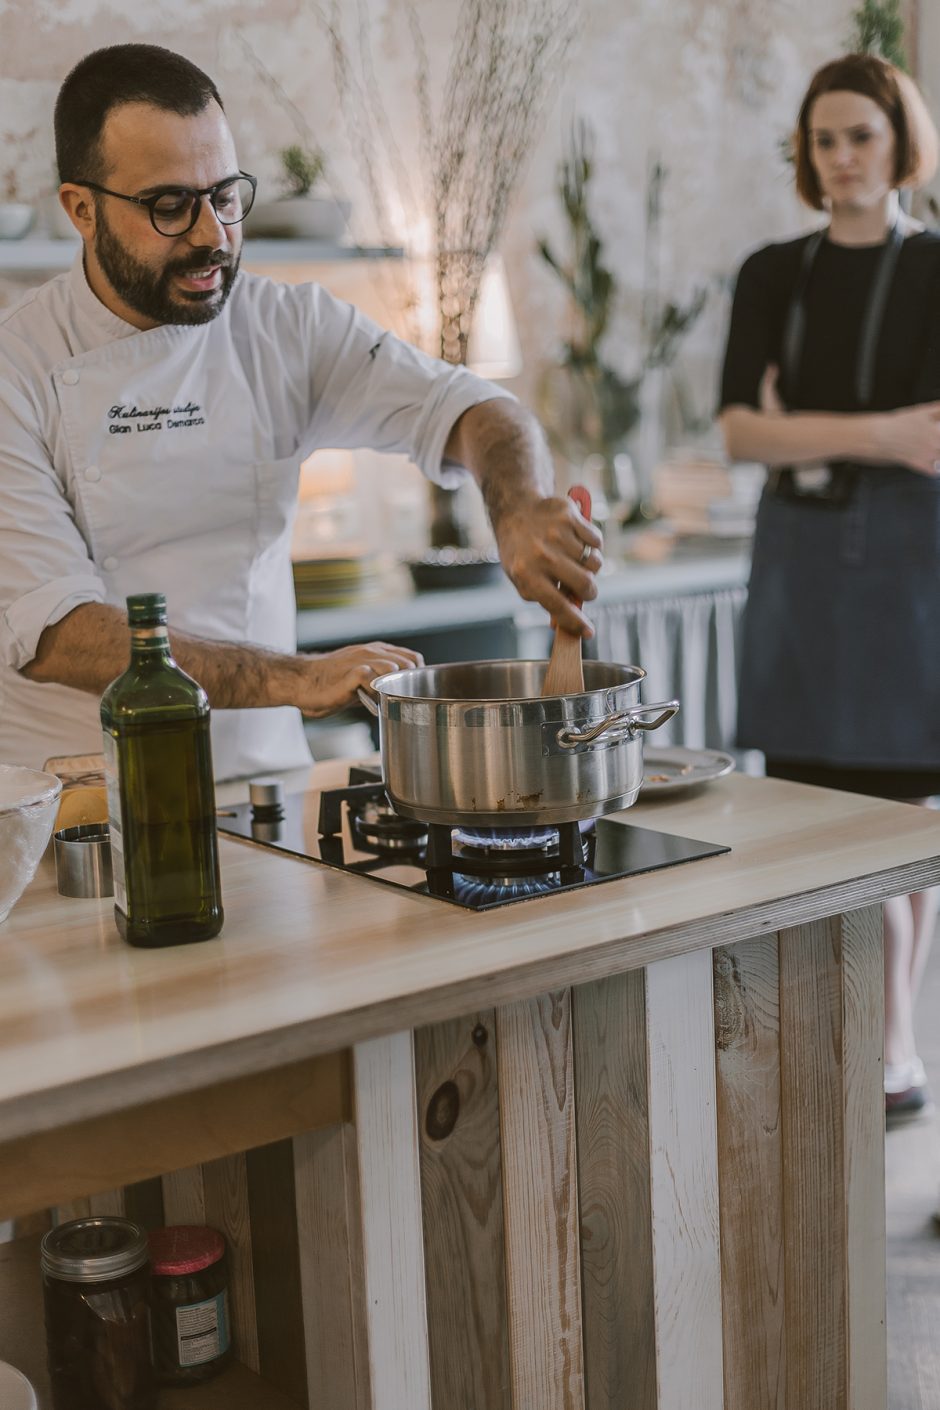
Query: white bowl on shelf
298, 218
28, 803
15, 219
16, 1393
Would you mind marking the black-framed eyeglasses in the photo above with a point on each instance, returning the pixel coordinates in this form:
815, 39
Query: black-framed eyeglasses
175, 210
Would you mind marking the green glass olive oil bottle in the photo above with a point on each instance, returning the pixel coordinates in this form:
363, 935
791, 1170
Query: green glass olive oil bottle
161, 796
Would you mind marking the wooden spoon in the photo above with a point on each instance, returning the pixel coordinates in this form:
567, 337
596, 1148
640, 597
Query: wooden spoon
565, 674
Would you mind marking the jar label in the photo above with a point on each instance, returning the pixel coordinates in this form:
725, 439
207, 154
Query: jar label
114, 822
202, 1332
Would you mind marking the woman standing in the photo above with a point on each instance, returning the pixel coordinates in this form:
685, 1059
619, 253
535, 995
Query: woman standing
832, 379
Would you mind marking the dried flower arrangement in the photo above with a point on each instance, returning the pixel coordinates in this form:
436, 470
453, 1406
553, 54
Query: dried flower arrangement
506, 58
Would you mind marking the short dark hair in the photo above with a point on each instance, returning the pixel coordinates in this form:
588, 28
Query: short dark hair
108, 78
896, 94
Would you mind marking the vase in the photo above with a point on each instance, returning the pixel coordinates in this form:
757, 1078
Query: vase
648, 441
448, 526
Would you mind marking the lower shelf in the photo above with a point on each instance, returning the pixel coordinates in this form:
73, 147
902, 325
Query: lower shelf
22, 1344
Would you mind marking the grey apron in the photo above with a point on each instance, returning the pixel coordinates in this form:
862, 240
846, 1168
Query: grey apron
841, 648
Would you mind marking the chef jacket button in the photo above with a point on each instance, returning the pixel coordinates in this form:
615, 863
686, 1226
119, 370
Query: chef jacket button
93, 473
70, 377
109, 565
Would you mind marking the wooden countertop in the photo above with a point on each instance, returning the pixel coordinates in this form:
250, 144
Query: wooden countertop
312, 960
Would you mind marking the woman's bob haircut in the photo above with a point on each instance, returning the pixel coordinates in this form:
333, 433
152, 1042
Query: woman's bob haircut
896, 94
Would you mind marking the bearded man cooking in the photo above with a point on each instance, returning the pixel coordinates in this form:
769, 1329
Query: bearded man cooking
155, 406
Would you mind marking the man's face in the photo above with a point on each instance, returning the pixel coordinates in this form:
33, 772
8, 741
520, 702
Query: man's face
144, 276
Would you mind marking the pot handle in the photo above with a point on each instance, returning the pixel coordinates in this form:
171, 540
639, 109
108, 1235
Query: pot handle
368, 700
571, 738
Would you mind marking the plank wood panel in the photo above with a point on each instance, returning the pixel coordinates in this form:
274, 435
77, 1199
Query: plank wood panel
393, 1251
684, 1183
143, 1202
326, 1180
108, 1202
811, 1030
225, 1197
275, 1259
864, 1174
61, 1213
122, 1148
184, 1196
609, 1023
750, 1165
540, 1201
464, 1250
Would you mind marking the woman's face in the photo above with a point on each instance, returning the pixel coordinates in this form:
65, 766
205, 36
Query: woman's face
852, 148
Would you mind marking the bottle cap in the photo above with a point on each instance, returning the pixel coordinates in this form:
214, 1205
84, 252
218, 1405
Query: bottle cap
146, 609
93, 1250
184, 1248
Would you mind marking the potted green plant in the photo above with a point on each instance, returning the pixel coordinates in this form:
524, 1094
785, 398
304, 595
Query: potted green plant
299, 213
878, 28
600, 420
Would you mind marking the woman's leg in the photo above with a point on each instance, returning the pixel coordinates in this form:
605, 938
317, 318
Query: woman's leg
924, 906
899, 1006
909, 924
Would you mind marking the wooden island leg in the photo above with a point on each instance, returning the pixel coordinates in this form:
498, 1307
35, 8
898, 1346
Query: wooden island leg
684, 1183
393, 1248
801, 1159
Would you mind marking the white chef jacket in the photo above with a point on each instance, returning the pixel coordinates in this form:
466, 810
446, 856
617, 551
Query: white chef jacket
168, 461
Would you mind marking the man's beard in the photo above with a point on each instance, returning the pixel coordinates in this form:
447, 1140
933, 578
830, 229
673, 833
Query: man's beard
151, 293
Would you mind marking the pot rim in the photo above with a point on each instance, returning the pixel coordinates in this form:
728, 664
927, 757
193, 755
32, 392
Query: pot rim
382, 684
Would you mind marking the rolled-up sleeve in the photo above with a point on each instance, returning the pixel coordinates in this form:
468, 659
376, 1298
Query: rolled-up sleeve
372, 389
45, 567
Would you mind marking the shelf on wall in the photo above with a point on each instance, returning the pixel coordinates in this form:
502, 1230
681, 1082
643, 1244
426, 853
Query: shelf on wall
45, 254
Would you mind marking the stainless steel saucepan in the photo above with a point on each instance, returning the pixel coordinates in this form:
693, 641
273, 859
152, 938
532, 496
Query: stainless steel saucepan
475, 742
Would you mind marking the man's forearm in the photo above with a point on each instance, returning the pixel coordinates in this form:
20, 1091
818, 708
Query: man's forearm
503, 447
90, 647
550, 553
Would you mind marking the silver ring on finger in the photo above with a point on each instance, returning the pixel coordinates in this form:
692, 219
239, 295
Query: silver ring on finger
585, 553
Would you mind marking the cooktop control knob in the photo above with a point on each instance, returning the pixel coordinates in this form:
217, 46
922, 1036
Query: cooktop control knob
266, 796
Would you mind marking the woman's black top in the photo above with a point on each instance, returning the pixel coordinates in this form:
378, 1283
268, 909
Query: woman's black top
841, 650
907, 367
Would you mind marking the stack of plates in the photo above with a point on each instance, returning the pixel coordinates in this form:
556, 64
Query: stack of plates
335, 582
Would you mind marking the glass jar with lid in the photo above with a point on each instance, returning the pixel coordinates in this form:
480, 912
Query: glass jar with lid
191, 1326
97, 1298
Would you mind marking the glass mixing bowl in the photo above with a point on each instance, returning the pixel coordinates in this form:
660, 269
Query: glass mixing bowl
28, 803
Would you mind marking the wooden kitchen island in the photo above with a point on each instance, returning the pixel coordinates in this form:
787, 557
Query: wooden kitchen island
620, 1147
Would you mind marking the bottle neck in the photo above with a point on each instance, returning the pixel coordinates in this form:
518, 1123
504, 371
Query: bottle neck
150, 643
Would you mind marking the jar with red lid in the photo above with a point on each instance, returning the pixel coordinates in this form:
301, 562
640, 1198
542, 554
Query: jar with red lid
191, 1327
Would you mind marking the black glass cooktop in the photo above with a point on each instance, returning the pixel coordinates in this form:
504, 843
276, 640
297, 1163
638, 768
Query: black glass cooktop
355, 829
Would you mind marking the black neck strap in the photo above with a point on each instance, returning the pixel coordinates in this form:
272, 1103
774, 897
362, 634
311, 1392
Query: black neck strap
794, 329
